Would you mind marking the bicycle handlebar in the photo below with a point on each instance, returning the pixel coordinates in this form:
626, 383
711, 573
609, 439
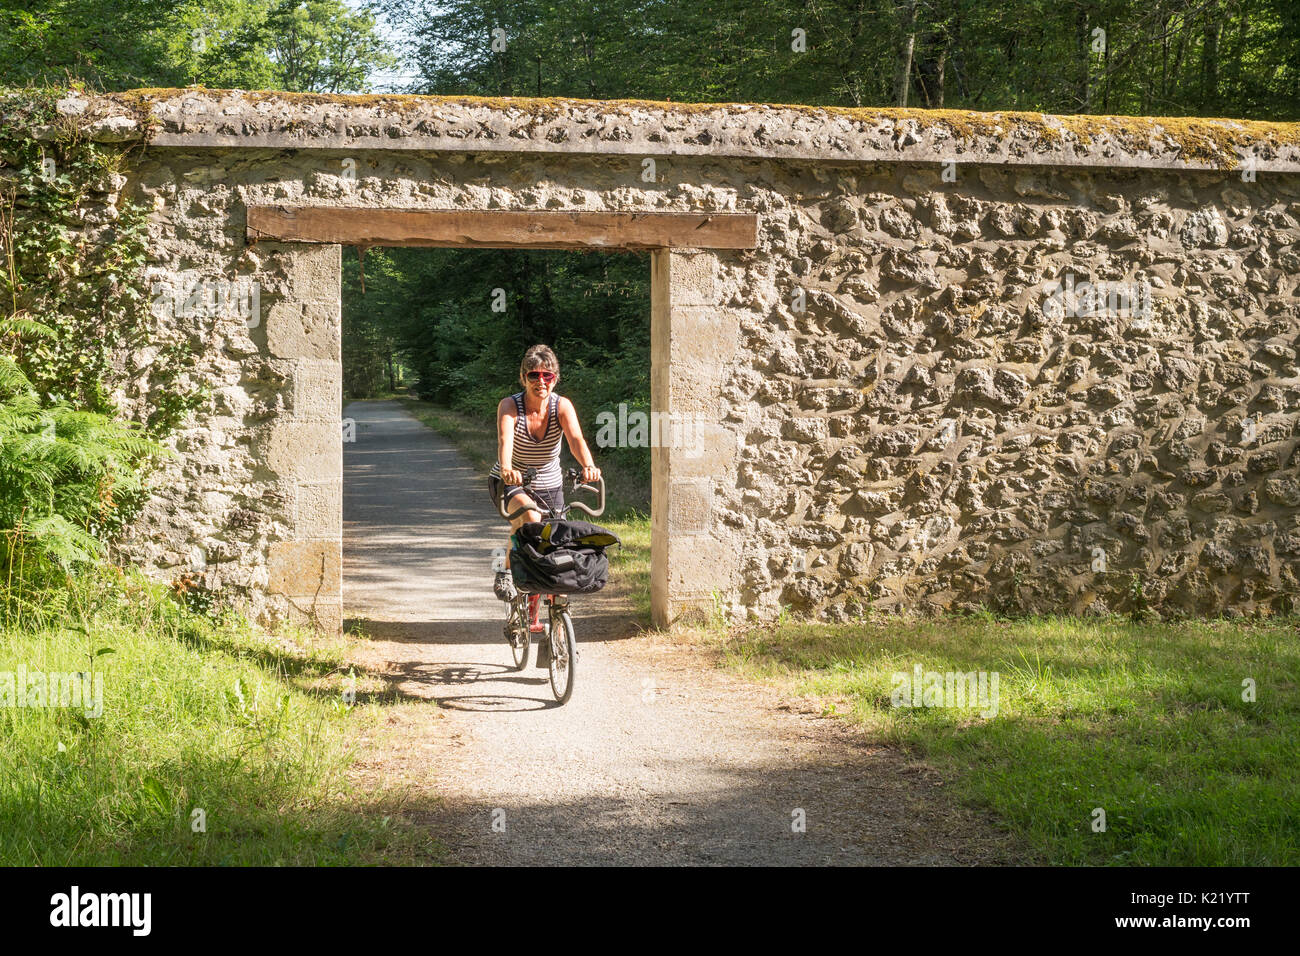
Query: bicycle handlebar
574, 475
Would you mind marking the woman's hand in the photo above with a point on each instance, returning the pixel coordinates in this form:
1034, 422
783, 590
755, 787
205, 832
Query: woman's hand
590, 473
511, 476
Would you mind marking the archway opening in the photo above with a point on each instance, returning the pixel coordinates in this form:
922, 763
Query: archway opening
431, 344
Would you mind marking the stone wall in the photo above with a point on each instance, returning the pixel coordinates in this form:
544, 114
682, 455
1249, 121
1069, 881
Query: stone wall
893, 411
928, 435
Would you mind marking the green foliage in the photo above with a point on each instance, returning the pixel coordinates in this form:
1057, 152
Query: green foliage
114, 44
74, 307
373, 350
1139, 607
197, 714
301, 45
63, 472
1164, 57
432, 310
307, 46
84, 284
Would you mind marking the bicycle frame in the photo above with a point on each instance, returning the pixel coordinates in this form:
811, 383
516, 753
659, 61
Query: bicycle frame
535, 625
555, 603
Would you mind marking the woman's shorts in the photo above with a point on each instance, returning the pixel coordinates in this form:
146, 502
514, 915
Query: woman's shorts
551, 497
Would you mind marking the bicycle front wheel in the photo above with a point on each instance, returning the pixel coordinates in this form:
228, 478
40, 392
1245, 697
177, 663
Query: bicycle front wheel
517, 632
564, 653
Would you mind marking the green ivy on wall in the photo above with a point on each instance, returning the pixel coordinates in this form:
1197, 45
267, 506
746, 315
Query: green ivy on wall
74, 310
74, 262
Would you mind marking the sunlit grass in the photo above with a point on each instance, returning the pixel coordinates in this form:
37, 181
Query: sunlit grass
1144, 721
629, 565
253, 733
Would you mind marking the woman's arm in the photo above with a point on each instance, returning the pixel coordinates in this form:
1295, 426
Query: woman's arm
506, 418
577, 444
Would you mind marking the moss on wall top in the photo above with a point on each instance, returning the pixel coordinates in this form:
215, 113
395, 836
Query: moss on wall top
724, 128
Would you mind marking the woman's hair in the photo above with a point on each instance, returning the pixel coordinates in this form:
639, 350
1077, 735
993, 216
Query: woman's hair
540, 356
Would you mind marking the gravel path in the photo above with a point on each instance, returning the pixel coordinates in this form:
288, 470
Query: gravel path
659, 758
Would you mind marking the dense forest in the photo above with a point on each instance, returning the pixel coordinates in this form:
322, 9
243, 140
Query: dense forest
451, 324
1158, 57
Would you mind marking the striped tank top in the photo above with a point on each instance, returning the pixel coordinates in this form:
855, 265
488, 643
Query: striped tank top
529, 452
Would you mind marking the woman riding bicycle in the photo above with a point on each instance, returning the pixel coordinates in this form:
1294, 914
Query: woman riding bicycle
529, 426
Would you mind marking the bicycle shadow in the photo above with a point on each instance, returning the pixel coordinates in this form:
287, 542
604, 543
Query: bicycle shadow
497, 703
448, 682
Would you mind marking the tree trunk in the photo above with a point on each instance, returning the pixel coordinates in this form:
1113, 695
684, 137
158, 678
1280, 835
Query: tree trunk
1210, 57
1176, 73
939, 67
1085, 90
1105, 72
938, 41
930, 69
903, 79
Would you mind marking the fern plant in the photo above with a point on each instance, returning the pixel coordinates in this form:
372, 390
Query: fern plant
63, 470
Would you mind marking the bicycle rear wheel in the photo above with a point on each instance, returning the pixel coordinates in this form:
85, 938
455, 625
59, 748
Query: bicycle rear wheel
564, 654
517, 632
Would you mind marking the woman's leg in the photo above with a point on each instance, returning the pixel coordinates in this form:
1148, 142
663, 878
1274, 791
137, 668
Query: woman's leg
504, 586
521, 500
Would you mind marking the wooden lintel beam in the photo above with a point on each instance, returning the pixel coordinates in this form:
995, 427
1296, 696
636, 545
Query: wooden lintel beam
502, 229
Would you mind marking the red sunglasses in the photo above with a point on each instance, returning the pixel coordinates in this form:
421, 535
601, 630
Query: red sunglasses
538, 375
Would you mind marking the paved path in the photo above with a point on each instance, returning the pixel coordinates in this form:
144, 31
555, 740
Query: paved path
659, 758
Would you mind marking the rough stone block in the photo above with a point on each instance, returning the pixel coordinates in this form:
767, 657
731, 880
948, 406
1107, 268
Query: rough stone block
318, 509
701, 344
705, 337
701, 565
707, 449
691, 278
304, 329
300, 569
304, 450
690, 505
324, 615
317, 390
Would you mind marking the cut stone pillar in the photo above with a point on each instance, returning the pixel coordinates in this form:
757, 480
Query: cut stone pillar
691, 340
304, 447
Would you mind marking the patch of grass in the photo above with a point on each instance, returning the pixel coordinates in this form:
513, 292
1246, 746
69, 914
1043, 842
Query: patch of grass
401, 393
629, 566
1146, 721
197, 715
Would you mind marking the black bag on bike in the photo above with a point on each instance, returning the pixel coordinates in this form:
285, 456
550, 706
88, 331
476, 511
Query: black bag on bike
569, 533
560, 557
